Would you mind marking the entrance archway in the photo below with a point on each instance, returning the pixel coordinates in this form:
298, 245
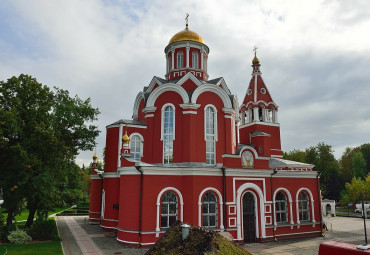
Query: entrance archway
249, 218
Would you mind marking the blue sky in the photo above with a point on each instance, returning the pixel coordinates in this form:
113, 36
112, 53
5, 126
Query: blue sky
315, 56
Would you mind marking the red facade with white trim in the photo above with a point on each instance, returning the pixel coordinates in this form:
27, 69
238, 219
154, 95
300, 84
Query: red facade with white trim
197, 156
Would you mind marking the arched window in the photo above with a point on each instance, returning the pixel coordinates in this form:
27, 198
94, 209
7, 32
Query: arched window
251, 114
270, 116
304, 207
136, 147
194, 61
168, 134
168, 209
261, 113
209, 210
180, 60
281, 208
210, 135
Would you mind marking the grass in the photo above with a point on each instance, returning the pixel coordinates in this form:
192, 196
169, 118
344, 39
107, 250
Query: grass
24, 214
47, 248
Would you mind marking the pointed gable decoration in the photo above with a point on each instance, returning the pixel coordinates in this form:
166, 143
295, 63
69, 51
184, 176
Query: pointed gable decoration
156, 81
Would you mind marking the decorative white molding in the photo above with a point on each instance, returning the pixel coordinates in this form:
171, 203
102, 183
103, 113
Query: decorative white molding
189, 112
290, 201
232, 225
311, 206
188, 76
214, 89
120, 134
162, 89
158, 229
190, 106
220, 206
257, 191
149, 116
139, 97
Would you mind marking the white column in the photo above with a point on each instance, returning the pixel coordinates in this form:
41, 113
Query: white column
173, 59
256, 116
201, 59
167, 64
187, 55
275, 117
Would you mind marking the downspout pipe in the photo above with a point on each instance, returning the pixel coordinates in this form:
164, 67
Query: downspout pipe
224, 195
318, 196
138, 168
273, 206
101, 196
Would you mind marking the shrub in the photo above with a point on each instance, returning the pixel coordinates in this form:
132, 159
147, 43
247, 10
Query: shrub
44, 230
19, 236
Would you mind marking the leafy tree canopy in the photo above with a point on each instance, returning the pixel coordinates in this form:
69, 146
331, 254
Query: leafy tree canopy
41, 132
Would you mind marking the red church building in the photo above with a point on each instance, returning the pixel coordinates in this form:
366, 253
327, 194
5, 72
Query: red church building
192, 153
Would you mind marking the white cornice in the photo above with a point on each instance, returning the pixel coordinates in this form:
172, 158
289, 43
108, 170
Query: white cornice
149, 109
190, 106
259, 123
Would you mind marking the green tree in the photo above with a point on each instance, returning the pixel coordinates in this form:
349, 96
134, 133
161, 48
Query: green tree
41, 132
365, 150
295, 155
359, 165
345, 163
353, 190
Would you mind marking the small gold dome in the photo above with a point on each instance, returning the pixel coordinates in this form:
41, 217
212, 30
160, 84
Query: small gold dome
186, 35
95, 156
255, 60
125, 138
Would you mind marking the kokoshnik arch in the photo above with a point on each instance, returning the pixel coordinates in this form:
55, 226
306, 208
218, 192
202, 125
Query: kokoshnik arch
192, 153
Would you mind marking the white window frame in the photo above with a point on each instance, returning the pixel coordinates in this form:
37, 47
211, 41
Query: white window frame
281, 211
168, 214
195, 60
180, 60
208, 214
162, 129
141, 138
303, 209
215, 135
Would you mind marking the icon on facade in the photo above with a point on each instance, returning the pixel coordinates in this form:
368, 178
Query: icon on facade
247, 159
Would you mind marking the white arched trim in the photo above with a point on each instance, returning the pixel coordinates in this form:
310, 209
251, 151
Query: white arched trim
142, 142
164, 88
138, 99
200, 206
248, 148
214, 89
239, 194
256, 104
158, 229
290, 215
312, 207
154, 81
162, 119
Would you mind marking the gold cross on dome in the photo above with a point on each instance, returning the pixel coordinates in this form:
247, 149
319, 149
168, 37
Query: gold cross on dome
255, 50
187, 19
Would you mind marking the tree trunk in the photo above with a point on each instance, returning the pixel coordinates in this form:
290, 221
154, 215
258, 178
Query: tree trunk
9, 219
30, 218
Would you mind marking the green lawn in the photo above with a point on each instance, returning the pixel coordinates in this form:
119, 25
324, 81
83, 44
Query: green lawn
24, 214
48, 248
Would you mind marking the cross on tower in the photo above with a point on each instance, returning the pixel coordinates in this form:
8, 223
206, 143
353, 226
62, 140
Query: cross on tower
187, 19
255, 50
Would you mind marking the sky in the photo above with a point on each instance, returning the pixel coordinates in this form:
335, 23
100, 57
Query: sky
314, 55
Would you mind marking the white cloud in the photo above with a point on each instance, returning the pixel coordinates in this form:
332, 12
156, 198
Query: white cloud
314, 56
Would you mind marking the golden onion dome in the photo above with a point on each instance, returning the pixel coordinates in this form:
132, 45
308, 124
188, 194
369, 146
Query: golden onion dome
95, 156
255, 60
186, 35
125, 138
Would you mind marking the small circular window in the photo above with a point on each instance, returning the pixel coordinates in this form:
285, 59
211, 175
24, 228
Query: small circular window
263, 91
249, 92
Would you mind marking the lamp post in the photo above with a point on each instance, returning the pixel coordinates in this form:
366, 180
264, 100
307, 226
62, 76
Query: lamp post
1, 196
364, 246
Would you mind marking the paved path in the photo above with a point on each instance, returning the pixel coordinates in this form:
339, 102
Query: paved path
75, 240
340, 229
